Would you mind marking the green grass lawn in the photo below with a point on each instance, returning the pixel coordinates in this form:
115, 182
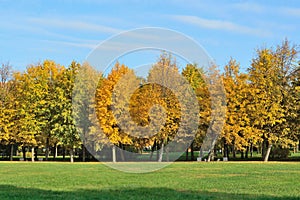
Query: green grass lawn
217, 180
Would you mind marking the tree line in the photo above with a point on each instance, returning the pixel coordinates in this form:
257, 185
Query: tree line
262, 106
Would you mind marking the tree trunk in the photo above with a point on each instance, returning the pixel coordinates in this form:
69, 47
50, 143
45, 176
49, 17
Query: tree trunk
71, 155
36, 153
32, 154
11, 152
201, 154
247, 151
187, 154
227, 151
55, 154
24, 153
152, 149
151, 155
211, 155
215, 151
47, 149
225, 148
64, 152
114, 158
251, 150
84, 144
192, 151
167, 153
83, 152
161, 151
157, 151
265, 145
121, 152
263, 149
233, 150
268, 153
242, 154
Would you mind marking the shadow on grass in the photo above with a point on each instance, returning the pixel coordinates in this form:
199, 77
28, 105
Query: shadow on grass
13, 192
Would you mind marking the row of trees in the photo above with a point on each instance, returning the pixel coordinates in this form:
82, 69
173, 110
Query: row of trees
262, 106
36, 107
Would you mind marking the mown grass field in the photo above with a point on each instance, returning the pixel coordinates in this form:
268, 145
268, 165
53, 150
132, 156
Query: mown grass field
216, 180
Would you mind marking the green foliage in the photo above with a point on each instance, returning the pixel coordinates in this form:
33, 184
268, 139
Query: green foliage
83, 99
196, 78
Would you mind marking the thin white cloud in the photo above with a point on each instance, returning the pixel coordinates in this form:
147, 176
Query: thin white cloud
82, 44
291, 12
74, 25
55, 37
249, 7
220, 25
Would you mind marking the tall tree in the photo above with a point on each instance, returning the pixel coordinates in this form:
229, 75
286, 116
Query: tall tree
105, 108
269, 79
7, 108
214, 112
29, 91
238, 130
64, 120
166, 75
87, 80
293, 117
196, 78
39, 98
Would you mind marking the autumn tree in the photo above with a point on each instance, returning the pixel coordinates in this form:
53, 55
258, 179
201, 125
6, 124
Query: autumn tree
270, 82
217, 110
105, 109
44, 96
30, 90
64, 123
196, 78
7, 108
238, 130
164, 73
142, 110
293, 117
286, 61
87, 80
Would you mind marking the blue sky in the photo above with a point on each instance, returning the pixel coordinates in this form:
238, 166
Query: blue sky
67, 30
